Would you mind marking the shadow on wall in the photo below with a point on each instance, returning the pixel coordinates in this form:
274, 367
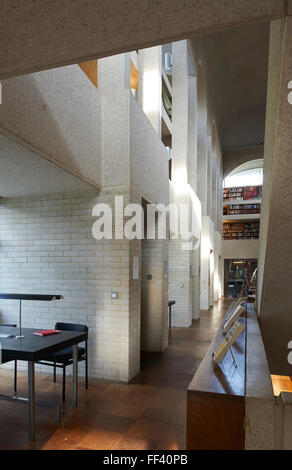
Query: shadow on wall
58, 114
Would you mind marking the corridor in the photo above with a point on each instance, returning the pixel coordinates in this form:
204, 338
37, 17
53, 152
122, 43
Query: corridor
149, 413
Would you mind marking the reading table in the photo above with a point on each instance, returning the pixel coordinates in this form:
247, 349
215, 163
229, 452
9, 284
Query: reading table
33, 348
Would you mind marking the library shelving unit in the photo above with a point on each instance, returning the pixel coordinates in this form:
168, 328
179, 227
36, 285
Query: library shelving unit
242, 201
241, 230
233, 194
242, 193
241, 209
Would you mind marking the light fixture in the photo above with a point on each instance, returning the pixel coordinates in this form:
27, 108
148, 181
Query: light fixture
168, 61
20, 297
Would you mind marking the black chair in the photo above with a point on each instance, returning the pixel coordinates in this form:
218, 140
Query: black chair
11, 325
64, 357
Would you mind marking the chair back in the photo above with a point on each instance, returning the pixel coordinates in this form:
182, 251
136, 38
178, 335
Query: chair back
71, 327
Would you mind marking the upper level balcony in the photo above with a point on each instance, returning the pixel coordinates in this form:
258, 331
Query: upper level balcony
63, 130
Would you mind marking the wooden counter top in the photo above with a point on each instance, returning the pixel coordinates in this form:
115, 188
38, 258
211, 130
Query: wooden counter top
224, 379
215, 408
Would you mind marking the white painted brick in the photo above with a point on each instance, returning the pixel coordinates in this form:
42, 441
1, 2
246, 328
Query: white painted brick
46, 245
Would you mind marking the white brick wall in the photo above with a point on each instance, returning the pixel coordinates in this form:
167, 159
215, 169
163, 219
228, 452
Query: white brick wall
46, 246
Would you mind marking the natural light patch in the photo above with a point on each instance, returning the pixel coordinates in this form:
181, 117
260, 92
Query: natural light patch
252, 177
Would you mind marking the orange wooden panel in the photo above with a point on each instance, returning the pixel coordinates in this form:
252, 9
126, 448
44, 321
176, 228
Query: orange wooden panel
134, 77
90, 69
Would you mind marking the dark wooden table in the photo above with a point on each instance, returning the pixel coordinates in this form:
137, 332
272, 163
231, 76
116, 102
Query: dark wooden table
33, 348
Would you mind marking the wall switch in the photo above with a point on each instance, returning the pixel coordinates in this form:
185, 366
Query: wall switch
115, 295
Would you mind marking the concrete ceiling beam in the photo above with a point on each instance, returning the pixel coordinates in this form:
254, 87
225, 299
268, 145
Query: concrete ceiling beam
37, 35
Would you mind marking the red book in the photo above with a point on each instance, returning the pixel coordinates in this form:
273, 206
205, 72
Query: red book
46, 332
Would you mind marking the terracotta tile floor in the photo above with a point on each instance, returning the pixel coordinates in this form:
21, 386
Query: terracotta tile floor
150, 413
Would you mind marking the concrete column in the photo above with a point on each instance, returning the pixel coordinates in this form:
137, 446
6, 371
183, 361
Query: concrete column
180, 261
217, 267
219, 197
184, 267
273, 99
206, 189
202, 160
150, 85
214, 188
180, 111
209, 175
116, 155
196, 268
192, 180
114, 73
207, 263
192, 132
275, 267
216, 276
217, 217
211, 278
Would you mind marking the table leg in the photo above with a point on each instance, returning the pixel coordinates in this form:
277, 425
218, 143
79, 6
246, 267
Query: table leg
75, 377
31, 401
169, 320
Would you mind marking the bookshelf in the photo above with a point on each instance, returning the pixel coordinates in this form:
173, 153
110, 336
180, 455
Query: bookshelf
242, 193
242, 200
241, 230
241, 209
233, 194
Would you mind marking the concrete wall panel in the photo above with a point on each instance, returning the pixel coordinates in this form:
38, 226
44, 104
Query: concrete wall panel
58, 114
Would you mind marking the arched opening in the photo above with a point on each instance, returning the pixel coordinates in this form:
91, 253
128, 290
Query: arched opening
241, 223
247, 174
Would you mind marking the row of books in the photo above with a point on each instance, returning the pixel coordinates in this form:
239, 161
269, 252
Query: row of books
241, 231
239, 209
242, 193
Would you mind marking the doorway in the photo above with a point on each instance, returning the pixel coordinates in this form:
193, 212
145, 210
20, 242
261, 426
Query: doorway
236, 272
154, 290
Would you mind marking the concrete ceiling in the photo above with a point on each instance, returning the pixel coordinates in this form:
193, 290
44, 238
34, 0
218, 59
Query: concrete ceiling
237, 68
25, 173
37, 35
